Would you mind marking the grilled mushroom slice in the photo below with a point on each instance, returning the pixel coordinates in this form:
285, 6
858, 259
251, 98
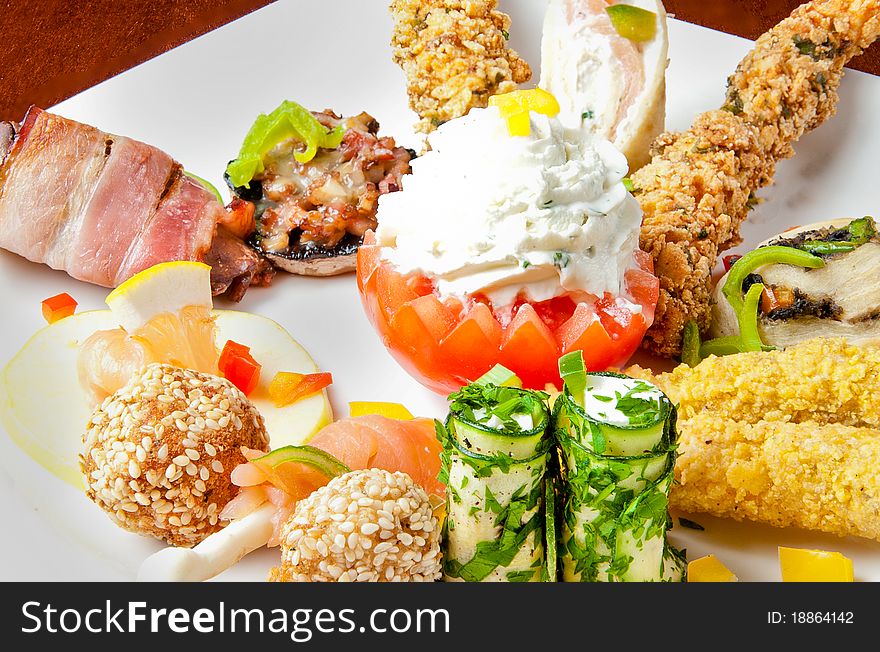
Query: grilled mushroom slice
839, 299
315, 260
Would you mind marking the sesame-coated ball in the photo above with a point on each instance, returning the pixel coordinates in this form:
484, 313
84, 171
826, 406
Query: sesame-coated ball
364, 526
159, 452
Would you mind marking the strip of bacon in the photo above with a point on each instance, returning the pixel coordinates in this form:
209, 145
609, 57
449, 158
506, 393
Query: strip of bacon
103, 207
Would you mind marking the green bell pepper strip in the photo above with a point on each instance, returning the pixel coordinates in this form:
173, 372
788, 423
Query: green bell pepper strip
499, 375
573, 372
749, 339
690, 344
820, 248
758, 258
207, 185
633, 23
722, 346
289, 120
748, 319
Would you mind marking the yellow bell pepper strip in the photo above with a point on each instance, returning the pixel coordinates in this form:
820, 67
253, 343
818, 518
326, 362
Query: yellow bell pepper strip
289, 387
380, 408
515, 108
709, 569
289, 120
633, 23
802, 565
58, 307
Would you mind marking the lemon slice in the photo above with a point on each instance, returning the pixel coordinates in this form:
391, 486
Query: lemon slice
163, 288
165, 316
45, 411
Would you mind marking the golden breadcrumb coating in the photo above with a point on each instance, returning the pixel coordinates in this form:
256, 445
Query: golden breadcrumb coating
807, 475
697, 189
787, 438
821, 380
455, 56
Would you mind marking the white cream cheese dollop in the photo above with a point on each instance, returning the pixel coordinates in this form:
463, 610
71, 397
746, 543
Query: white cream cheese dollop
488, 213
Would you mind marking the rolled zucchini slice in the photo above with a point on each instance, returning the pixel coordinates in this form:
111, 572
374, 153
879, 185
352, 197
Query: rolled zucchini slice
497, 445
616, 437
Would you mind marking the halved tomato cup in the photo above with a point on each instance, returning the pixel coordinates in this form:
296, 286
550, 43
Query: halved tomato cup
445, 344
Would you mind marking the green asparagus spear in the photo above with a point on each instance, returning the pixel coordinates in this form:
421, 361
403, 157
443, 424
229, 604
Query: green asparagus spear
617, 442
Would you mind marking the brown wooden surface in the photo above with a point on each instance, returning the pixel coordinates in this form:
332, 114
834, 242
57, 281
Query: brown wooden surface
52, 49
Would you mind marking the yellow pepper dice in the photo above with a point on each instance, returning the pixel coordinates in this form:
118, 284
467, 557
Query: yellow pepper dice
709, 569
515, 108
803, 565
390, 410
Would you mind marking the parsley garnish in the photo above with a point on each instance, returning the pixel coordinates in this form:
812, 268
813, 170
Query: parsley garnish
561, 259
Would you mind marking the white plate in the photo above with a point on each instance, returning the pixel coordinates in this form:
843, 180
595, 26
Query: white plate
197, 101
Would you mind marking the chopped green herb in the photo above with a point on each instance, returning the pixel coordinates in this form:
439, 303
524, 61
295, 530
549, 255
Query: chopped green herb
628, 184
587, 115
805, 46
505, 34
688, 523
561, 259
734, 102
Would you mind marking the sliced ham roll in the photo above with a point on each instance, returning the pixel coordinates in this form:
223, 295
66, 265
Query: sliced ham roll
104, 207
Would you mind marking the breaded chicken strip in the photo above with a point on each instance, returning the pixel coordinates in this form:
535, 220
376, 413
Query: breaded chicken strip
697, 190
788, 438
807, 475
455, 56
820, 380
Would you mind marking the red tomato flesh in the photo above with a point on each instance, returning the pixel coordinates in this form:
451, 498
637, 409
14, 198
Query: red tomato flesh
445, 345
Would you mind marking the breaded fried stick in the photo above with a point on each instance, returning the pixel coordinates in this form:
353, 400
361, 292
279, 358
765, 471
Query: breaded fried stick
787, 438
455, 56
697, 189
807, 475
820, 380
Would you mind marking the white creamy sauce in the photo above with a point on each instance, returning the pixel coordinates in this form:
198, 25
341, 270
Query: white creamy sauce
490, 213
610, 386
525, 421
590, 75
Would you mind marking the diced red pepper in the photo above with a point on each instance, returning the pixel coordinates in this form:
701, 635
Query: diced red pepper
58, 307
239, 367
730, 260
289, 387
